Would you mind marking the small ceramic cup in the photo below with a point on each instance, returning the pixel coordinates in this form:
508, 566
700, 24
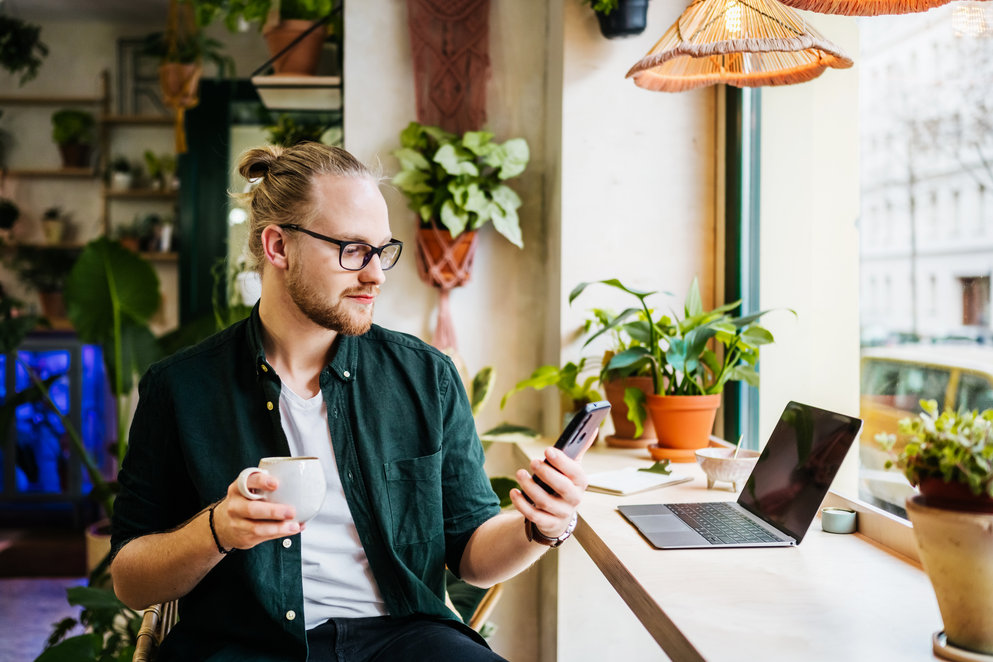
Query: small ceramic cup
301, 484
838, 520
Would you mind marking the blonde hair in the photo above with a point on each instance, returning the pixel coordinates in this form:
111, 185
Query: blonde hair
282, 178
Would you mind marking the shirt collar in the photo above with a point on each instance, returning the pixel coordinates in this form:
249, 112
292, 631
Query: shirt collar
343, 365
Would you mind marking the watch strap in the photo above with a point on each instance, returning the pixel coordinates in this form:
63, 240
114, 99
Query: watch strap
534, 535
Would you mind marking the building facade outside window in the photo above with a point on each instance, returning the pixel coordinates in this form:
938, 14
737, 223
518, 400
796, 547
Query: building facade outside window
925, 228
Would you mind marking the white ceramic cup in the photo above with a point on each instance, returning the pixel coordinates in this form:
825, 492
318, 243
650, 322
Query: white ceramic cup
301, 484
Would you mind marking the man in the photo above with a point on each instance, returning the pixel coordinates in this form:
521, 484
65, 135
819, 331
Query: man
309, 374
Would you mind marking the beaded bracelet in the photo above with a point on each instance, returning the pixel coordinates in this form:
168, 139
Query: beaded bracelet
213, 531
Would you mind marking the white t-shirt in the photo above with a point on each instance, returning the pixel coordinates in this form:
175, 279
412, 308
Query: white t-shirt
337, 580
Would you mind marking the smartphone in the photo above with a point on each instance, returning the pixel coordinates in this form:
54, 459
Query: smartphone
579, 434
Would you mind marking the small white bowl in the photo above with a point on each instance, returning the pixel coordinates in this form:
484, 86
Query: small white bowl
719, 465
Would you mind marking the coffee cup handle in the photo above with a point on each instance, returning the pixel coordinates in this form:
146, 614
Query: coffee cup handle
242, 483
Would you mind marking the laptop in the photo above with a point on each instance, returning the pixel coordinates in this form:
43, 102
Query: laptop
780, 498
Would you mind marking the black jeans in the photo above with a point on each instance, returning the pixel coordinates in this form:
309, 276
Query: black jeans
387, 639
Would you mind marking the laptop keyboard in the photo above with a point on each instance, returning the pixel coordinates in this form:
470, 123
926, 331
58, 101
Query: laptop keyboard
720, 523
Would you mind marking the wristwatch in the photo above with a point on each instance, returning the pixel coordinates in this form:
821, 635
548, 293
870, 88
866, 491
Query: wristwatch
534, 535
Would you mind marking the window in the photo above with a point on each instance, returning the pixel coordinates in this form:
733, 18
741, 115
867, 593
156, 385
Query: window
929, 335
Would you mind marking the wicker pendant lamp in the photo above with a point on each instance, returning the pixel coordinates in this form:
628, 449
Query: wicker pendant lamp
745, 43
865, 7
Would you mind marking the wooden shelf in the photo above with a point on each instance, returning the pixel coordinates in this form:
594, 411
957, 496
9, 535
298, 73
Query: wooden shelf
138, 120
140, 194
44, 100
68, 173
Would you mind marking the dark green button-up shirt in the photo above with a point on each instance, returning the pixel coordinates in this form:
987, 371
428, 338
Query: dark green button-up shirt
407, 453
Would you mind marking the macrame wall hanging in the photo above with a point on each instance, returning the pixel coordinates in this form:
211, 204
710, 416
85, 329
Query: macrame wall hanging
180, 82
449, 42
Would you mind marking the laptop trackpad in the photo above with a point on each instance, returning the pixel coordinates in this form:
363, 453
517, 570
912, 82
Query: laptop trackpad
659, 523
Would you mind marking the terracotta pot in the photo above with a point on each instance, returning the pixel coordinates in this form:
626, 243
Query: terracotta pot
180, 84
303, 58
956, 549
954, 496
53, 305
443, 261
683, 424
75, 155
624, 435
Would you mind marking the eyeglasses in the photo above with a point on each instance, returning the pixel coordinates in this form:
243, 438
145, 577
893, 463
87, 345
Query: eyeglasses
355, 255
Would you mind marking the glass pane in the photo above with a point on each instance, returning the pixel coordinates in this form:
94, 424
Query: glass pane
926, 222
41, 451
975, 393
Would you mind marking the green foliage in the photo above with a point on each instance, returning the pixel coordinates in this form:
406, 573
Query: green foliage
480, 388
21, 49
459, 181
42, 268
111, 629
566, 379
111, 294
256, 11
9, 213
72, 126
120, 164
660, 467
695, 355
956, 447
286, 132
189, 48
601, 6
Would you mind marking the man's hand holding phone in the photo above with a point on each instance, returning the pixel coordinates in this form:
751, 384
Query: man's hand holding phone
551, 494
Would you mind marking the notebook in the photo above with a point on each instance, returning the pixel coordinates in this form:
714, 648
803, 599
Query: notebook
780, 498
632, 480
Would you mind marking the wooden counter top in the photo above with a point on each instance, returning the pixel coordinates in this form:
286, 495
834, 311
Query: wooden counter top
833, 597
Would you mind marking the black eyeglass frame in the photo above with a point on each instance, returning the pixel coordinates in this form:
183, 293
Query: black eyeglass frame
373, 250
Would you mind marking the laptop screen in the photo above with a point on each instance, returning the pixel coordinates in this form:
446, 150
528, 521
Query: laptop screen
796, 467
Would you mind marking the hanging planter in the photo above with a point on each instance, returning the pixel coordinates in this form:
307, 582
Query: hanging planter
442, 260
456, 185
626, 19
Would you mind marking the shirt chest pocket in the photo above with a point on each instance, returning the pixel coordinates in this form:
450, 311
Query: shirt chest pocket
414, 489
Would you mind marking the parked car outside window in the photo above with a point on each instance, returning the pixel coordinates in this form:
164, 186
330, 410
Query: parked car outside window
894, 381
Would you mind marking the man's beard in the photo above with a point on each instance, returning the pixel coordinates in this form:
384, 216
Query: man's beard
313, 304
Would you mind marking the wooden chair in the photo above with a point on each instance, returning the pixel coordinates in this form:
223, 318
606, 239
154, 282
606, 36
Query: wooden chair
158, 619
155, 625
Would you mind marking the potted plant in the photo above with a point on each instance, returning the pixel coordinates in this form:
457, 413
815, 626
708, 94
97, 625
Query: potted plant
690, 361
620, 18
21, 49
625, 388
121, 174
280, 22
949, 457
129, 235
181, 55
74, 132
44, 270
456, 184
53, 225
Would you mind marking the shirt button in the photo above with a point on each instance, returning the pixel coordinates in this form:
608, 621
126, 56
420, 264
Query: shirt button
269, 405
287, 543
290, 615
347, 374
264, 368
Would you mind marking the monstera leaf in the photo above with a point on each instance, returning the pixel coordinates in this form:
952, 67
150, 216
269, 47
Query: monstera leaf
110, 294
